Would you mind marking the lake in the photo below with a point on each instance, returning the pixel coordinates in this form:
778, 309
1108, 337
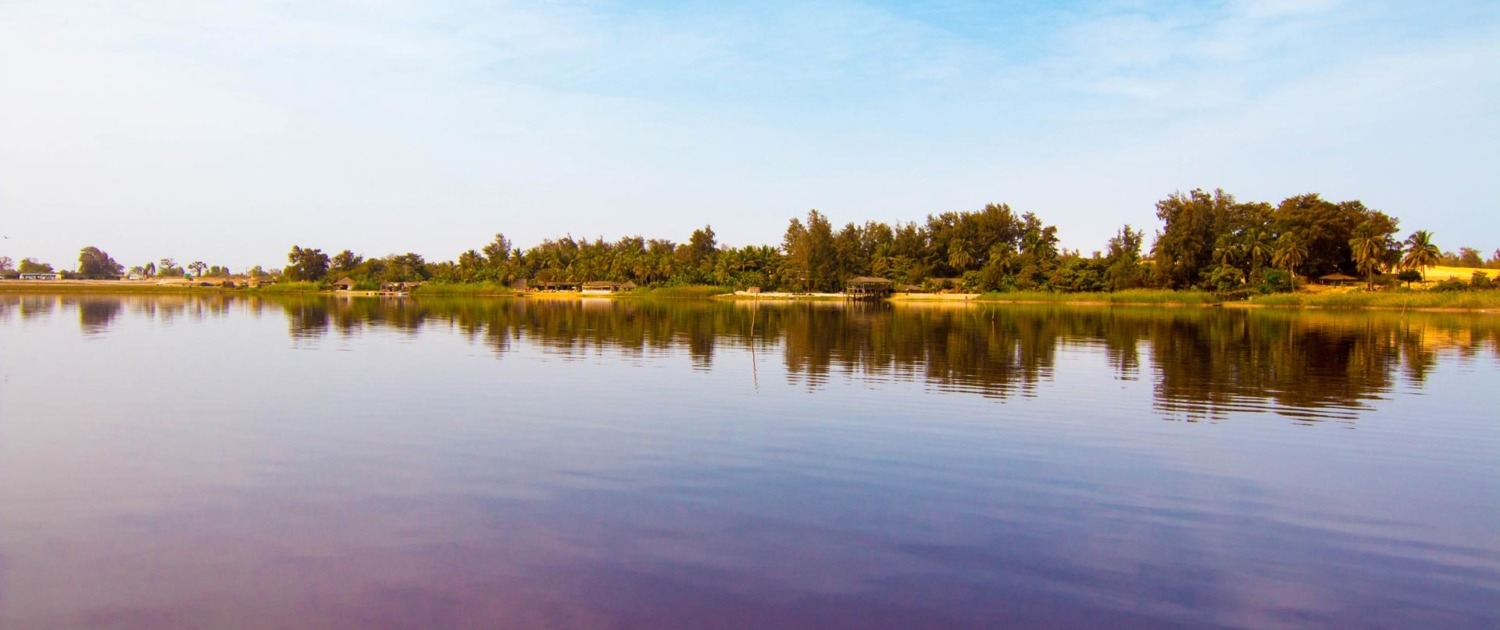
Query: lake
230, 461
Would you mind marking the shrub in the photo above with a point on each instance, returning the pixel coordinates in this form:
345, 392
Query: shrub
1275, 281
1480, 280
1451, 285
1223, 279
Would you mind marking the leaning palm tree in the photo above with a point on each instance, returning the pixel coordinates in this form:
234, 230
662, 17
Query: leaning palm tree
1420, 252
1289, 254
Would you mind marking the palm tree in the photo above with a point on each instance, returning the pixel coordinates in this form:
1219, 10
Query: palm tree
1420, 252
958, 256
1290, 253
1368, 248
1257, 247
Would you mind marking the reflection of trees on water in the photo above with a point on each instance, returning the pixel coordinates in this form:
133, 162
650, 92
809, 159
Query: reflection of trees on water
1204, 363
992, 352
35, 306
96, 313
1305, 365
168, 308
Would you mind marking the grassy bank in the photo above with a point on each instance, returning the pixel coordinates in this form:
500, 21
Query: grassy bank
1464, 300
691, 291
470, 289
284, 288
1133, 296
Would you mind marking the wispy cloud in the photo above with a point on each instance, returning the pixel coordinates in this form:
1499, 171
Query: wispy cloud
334, 124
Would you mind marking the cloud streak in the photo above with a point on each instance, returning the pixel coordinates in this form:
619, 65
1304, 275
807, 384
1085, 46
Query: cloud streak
429, 126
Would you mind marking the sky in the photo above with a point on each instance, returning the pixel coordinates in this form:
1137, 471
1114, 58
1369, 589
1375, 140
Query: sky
229, 131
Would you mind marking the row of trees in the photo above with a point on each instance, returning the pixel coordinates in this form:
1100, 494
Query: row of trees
1207, 240
1210, 240
96, 264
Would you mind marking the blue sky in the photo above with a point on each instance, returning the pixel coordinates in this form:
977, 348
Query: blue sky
226, 132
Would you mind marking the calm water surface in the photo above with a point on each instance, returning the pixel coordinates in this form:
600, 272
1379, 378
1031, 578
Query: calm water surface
235, 462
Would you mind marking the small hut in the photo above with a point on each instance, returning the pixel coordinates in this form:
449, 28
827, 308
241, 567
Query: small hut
399, 288
867, 288
1337, 279
345, 284
554, 286
600, 287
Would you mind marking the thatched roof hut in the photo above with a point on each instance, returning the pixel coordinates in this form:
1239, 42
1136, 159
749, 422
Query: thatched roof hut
554, 285
868, 287
601, 286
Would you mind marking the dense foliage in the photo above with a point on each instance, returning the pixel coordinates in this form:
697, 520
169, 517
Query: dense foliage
1207, 241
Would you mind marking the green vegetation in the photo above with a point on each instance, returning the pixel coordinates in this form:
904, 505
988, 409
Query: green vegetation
94, 264
697, 291
1133, 296
287, 287
1399, 299
1211, 247
471, 289
31, 265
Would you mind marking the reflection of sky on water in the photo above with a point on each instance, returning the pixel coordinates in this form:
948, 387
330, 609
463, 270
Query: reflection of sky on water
596, 468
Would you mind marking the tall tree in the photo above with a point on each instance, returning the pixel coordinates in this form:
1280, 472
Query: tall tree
344, 262
32, 265
94, 264
305, 264
702, 246
810, 253
1324, 227
1184, 249
1123, 269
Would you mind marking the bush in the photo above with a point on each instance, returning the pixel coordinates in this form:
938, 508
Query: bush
1223, 279
1480, 280
1451, 285
1275, 281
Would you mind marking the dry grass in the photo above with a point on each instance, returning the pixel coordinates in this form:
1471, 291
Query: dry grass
1439, 274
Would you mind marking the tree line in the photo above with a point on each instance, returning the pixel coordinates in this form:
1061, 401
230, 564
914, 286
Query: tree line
1207, 240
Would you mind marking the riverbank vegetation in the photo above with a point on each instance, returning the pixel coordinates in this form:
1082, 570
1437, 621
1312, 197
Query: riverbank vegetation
1129, 296
1395, 299
1208, 244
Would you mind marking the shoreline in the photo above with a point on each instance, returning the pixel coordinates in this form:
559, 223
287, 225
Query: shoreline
1162, 299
